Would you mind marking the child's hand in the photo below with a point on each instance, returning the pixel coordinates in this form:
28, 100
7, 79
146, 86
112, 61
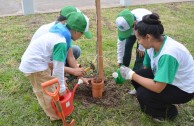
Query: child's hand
85, 80
140, 53
78, 72
140, 50
62, 93
50, 65
63, 89
119, 65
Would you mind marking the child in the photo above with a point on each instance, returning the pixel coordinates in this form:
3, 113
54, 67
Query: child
126, 21
62, 18
74, 50
52, 45
169, 75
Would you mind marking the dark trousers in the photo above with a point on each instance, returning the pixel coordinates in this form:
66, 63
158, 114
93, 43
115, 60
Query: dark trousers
128, 52
160, 105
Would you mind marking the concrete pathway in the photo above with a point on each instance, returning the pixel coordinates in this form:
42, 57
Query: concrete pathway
14, 7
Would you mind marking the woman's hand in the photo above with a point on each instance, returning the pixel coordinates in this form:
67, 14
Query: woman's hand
126, 72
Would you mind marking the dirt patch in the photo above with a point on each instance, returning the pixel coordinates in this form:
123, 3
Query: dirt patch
111, 95
174, 6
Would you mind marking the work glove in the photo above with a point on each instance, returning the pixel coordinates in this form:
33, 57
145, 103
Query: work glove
126, 72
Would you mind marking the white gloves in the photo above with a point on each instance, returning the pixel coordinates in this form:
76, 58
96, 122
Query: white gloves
126, 72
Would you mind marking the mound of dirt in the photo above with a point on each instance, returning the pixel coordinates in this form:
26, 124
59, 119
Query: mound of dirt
110, 98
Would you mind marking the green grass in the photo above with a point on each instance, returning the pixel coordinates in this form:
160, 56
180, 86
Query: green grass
18, 105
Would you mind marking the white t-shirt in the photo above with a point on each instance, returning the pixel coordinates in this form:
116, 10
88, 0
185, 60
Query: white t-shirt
39, 54
42, 30
173, 64
139, 13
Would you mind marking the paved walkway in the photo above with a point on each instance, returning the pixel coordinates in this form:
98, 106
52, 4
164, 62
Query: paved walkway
14, 7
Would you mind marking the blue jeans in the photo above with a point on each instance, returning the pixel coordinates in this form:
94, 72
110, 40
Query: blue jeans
76, 51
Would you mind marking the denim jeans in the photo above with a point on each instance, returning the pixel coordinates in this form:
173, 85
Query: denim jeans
76, 51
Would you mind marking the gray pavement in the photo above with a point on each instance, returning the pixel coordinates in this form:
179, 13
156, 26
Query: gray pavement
14, 7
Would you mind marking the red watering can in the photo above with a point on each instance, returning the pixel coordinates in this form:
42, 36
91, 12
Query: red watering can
67, 101
63, 105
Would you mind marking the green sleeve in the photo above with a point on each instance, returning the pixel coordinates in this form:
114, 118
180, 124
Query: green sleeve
146, 61
121, 39
59, 52
167, 68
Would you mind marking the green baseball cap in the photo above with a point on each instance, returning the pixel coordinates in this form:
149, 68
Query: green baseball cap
68, 9
125, 22
79, 22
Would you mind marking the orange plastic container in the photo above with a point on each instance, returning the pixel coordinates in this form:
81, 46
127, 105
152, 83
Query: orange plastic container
56, 100
66, 102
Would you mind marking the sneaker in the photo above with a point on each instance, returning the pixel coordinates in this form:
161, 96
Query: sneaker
132, 92
160, 120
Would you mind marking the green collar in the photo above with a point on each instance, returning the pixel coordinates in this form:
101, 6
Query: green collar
156, 54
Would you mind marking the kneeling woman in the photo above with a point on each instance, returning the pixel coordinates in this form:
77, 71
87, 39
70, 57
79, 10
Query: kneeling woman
168, 77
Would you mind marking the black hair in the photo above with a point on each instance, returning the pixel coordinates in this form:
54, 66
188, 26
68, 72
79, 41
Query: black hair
150, 24
61, 18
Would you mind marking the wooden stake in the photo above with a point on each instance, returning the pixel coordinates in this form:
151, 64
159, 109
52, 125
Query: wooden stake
99, 42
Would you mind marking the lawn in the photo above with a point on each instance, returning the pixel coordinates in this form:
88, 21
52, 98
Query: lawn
18, 104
